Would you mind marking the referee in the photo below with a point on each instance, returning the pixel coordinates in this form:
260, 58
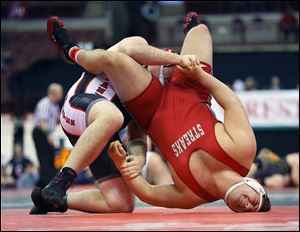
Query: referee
46, 116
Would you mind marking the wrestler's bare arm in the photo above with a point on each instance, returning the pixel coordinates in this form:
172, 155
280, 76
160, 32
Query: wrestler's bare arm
236, 122
159, 195
138, 49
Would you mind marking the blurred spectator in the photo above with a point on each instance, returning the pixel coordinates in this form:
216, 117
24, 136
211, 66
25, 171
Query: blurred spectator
7, 181
288, 26
274, 171
251, 83
259, 27
19, 162
239, 30
6, 58
29, 178
16, 10
275, 83
18, 167
46, 118
258, 22
238, 85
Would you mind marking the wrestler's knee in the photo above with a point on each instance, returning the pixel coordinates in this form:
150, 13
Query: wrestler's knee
121, 205
112, 59
114, 116
128, 44
105, 111
201, 28
133, 40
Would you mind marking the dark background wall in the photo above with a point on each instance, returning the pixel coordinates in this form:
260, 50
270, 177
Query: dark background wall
282, 141
260, 65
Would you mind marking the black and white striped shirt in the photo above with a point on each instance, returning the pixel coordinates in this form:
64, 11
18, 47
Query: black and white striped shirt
47, 111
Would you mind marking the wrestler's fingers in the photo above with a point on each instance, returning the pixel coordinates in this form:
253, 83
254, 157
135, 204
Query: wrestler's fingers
131, 174
121, 150
129, 169
181, 69
112, 148
134, 175
128, 164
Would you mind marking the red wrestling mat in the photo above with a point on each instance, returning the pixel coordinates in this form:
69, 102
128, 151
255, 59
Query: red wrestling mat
152, 218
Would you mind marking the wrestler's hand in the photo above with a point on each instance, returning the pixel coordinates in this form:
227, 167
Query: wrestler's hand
131, 167
117, 153
187, 61
191, 68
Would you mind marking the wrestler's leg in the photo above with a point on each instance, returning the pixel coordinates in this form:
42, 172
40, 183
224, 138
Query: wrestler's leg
198, 42
128, 77
113, 196
128, 42
104, 119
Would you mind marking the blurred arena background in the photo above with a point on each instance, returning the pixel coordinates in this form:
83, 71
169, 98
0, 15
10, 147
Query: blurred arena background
254, 53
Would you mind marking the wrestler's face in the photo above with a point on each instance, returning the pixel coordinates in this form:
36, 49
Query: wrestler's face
243, 199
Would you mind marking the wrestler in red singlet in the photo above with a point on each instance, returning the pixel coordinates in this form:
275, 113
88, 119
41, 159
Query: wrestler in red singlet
179, 120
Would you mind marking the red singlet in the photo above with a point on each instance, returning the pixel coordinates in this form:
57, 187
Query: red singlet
179, 120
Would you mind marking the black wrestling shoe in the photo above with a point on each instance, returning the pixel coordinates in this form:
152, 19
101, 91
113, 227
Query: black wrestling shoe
43, 207
55, 191
192, 19
60, 38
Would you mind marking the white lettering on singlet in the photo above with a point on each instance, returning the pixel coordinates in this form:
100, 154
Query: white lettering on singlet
187, 139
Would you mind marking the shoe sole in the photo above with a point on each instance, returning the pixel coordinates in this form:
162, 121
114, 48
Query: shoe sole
50, 30
191, 15
37, 201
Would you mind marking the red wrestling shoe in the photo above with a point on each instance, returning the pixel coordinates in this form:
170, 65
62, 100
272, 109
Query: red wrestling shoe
192, 19
60, 38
